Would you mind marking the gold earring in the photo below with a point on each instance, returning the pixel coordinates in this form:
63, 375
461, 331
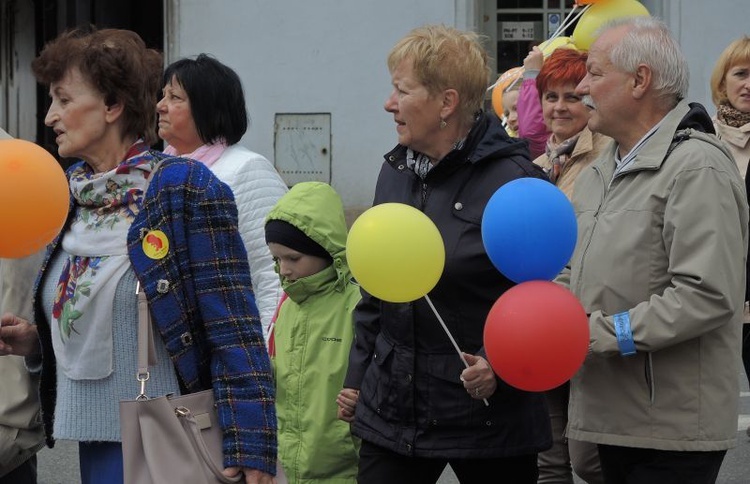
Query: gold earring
443, 124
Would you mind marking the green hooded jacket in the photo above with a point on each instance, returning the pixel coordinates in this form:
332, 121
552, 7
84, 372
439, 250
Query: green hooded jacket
313, 334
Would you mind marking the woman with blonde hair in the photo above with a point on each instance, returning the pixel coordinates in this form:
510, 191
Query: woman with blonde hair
730, 90
413, 403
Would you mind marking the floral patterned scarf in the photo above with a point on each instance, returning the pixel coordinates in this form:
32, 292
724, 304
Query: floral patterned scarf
97, 258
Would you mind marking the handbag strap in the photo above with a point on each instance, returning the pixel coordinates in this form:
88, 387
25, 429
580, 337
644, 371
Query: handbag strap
146, 349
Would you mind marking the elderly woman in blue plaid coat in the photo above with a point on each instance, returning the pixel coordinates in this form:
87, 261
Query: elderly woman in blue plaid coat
169, 226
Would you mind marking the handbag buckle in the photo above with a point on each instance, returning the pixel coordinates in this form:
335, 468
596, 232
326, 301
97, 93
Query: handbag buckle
142, 378
182, 411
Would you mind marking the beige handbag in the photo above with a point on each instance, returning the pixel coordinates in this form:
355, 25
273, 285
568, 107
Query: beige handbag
170, 439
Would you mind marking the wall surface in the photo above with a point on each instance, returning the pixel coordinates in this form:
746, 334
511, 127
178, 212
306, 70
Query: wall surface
17, 84
326, 56
704, 29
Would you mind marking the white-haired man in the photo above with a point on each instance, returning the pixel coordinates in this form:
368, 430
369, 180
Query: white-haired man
663, 221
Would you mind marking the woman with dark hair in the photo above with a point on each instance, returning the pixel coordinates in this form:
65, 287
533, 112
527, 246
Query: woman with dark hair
138, 219
202, 116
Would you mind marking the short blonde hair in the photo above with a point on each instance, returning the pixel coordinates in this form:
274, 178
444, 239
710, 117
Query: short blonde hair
735, 53
446, 58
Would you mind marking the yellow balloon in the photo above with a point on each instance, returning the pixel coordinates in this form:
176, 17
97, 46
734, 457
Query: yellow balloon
549, 46
503, 81
395, 252
599, 14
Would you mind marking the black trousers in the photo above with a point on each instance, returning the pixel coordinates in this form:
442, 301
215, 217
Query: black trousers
746, 348
378, 466
628, 465
23, 474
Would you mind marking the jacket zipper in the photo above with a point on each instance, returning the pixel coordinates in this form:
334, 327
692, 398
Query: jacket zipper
605, 189
605, 192
648, 369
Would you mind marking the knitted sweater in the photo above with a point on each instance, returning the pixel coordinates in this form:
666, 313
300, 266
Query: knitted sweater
88, 410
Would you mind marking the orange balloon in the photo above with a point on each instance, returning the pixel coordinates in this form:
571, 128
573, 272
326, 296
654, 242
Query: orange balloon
34, 198
505, 80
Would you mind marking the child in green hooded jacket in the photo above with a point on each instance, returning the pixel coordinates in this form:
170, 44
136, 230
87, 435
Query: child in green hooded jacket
306, 234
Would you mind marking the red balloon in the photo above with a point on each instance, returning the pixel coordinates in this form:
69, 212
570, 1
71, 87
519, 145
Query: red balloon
536, 336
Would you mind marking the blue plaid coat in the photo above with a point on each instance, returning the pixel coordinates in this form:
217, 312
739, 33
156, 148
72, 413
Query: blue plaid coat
201, 302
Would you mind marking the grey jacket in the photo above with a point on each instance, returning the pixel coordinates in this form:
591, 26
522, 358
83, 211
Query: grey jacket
21, 433
661, 241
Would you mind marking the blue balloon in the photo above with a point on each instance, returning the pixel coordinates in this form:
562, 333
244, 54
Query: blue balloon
529, 230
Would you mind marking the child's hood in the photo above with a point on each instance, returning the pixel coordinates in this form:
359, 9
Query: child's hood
316, 209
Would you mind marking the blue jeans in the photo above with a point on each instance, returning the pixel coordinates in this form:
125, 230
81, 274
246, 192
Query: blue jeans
101, 462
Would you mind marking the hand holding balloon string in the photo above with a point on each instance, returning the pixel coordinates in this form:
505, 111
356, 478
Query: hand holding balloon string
590, 18
402, 275
567, 22
453, 341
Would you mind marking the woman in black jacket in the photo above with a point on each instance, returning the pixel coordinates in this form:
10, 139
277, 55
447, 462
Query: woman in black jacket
407, 392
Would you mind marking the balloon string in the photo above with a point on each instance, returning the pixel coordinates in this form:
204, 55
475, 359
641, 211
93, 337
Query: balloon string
450, 336
566, 23
569, 20
515, 81
559, 29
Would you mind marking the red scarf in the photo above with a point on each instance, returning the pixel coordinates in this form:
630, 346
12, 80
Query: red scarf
271, 337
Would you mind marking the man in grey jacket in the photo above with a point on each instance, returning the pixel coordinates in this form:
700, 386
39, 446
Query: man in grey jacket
662, 219
21, 434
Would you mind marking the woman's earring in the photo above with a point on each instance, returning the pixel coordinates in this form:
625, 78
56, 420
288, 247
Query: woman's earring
443, 124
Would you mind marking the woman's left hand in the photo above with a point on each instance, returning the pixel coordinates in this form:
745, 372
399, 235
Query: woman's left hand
479, 379
534, 61
252, 476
